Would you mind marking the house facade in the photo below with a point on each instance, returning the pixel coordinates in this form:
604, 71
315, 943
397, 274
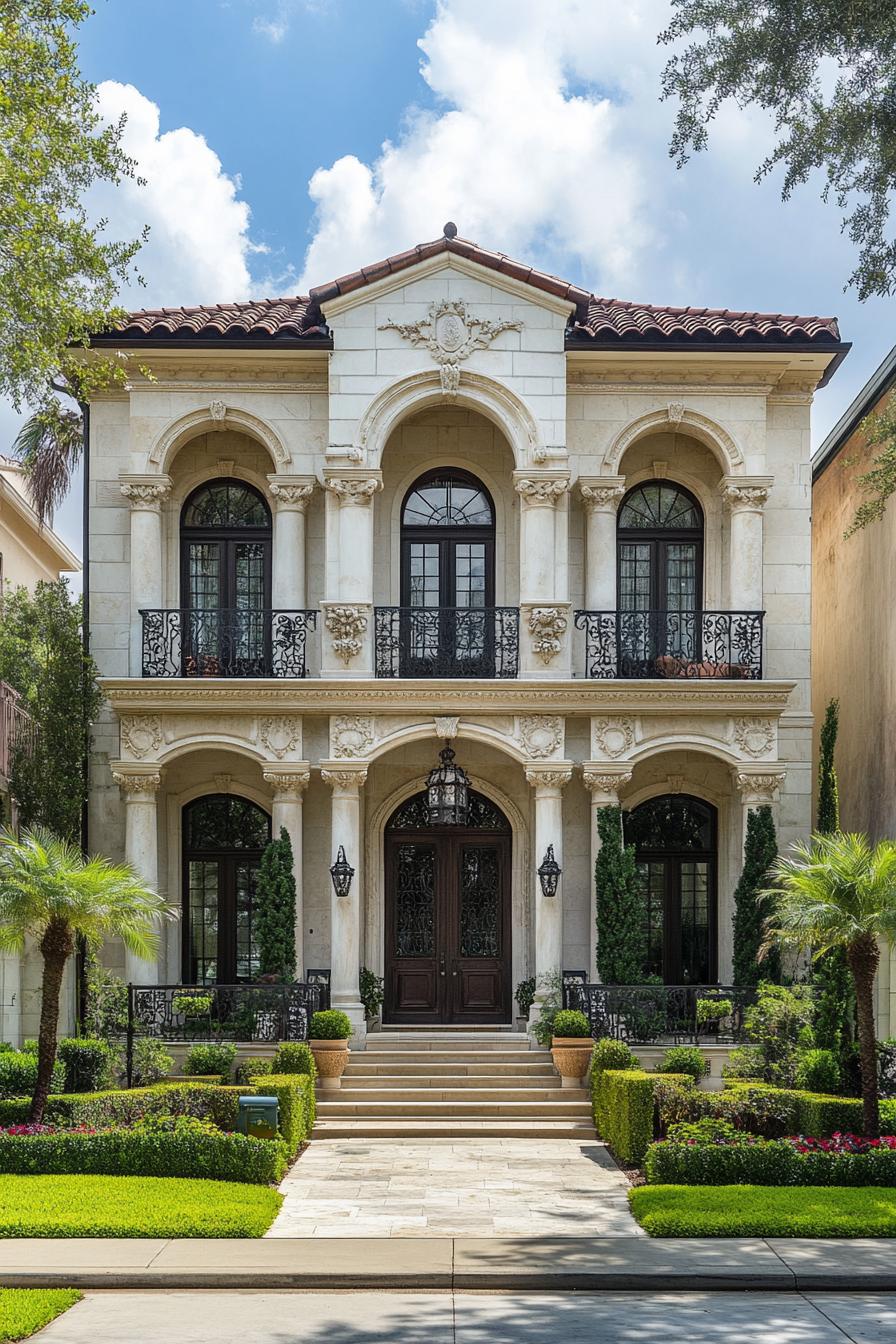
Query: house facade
449, 504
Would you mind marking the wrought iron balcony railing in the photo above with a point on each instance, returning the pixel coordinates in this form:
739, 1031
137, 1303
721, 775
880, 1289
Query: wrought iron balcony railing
225, 642
246, 1012
447, 641
689, 644
662, 1014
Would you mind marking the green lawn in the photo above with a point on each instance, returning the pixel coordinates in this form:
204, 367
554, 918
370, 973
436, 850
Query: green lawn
764, 1211
24, 1310
133, 1206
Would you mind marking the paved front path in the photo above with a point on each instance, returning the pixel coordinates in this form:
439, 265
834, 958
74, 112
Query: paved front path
455, 1187
492, 1318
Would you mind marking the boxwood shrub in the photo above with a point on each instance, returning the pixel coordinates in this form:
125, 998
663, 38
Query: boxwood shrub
209, 1057
295, 1094
89, 1063
101, 1110
765, 1162
624, 1108
294, 1057
129, 1152
18, 1073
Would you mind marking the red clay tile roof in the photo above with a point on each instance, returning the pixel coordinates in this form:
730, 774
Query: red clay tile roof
598, 323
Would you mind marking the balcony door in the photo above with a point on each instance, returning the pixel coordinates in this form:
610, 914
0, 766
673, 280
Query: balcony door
225, 580
676, 853
447, 577
660, 579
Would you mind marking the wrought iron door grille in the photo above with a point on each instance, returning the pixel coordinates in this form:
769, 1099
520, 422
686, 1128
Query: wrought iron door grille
447, 641
225, 642
672, 644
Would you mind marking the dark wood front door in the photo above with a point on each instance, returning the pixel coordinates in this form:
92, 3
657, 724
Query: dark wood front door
447, 923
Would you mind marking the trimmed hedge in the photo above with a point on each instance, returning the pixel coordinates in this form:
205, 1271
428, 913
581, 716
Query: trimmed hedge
821, 1115
771, 1112
624, 1108
125, 1152
759, 1211
102, 1110
766, 1162
18, 1074
89, 1063
295, 1094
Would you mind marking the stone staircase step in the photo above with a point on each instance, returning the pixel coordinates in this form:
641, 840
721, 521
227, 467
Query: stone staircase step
543, 1095
485, 1110
516, 1058
441, 1082
516, 1045
535, 1129
359, 1068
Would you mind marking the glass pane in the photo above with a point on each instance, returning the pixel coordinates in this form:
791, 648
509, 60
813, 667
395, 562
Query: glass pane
415, 901
673, 822
204, 574
469, 574
655, 505
246, 883
448, 502
224, 821
413, 815
203, 908
226, 504
423, 574
681, 576
653, 875
694, 922
634, 576
479, 902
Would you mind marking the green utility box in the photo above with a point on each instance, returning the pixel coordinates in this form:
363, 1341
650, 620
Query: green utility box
259, 1117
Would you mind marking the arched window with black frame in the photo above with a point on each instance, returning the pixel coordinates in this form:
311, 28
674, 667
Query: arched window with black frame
226, 580
660, 579
675, 840
447, 576
224, 837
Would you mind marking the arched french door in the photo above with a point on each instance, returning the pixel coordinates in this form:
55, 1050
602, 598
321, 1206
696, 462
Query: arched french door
447, 576
226, 580
660, 579
447, 912
224, 837
675, 840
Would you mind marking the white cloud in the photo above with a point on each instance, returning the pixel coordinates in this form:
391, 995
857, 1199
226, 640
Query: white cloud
273, 29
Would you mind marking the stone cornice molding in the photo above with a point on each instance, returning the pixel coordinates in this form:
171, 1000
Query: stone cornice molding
135, 782
354, 490
554, 777
743, 494
145, 492
601, 494
537, 491
342, 778
288, 782
760, 789
292, 492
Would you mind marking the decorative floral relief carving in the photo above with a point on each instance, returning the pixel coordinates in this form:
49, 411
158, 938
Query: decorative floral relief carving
146, 494
128, 783
141, 734
744, 496
541, 735
548, 779
290, 495
542, 490
217, 410
351, 735
601, 496
223, 783
759, 789
280, 733
447, 726
595, 782
348, 780
346, 625
354, 490
292, 783
755, 737
450, 335
547, 625
612, 737
675, 412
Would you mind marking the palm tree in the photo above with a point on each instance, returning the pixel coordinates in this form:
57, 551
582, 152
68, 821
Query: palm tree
839, 891
48, 890
49, 446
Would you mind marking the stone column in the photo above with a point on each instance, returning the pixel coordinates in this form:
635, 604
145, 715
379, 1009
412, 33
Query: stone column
745, 497
141, 850
544, 609
291, 496
600, 498
345, 911
548, 784
145, 495
604, 783
348, 612
289, 782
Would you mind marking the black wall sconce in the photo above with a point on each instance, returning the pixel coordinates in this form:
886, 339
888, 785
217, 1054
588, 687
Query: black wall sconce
549, 873
342, 873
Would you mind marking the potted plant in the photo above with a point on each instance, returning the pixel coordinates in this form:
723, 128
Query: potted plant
525, 997
328, 1035
571, 1046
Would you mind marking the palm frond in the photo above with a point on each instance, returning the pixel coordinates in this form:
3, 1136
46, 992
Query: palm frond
49, 447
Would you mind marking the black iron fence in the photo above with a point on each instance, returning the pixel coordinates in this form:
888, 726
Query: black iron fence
248, 1013
674, 644
447, 641
225, 642
662, 1014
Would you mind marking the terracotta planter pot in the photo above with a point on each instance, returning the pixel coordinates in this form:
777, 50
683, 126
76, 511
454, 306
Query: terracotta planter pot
571, 1055
331, 1058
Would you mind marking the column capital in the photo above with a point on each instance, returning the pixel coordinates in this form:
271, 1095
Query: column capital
343, 779
288, 781
551, 779
605, 784
745, 494
292, 492
354, 487
759, 790
145, 492
137, 783
601, 494
540, 489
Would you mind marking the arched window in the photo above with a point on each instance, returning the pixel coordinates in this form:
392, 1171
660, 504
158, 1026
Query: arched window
225, 579
660, 572
224, 837
675, 848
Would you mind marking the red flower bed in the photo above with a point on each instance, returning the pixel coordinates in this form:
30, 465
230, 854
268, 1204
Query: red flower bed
26, 1131
841, 1143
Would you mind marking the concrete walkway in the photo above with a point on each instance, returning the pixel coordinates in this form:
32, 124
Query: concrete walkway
414, 1318
518, 1264
455, 1188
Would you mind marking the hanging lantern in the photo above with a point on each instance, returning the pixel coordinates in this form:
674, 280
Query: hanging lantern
549, 873
342, 873
447, 792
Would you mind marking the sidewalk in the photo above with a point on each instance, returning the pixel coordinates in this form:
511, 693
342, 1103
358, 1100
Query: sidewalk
527, 1264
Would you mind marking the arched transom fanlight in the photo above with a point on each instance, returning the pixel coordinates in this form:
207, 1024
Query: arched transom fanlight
660, 506
448, 499
225, 504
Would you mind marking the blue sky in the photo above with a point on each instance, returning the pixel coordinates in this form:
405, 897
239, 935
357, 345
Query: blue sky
288, 141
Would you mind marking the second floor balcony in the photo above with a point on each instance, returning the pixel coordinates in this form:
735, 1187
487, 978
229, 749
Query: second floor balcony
672, 644
225, 642
447, 642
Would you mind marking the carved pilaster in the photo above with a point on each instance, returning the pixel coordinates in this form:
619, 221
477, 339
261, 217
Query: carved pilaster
759, 790
601, 495
292, 492
347, 624
547, 627
145, 492
745, 493
354, 490
540, 491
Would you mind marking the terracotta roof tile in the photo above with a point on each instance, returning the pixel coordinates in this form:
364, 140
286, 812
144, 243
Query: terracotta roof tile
596, 322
